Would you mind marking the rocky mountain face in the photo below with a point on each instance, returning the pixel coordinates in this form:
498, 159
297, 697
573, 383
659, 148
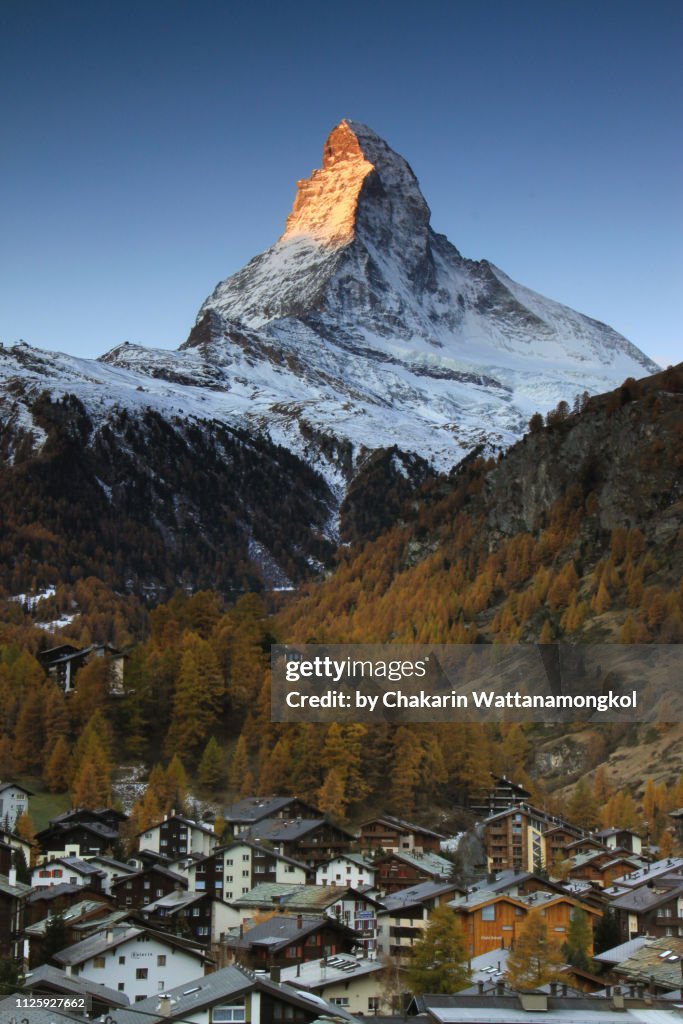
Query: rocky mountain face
361, 348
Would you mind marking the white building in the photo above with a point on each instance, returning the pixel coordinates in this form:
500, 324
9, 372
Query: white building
13, 803
134, 960
348, 870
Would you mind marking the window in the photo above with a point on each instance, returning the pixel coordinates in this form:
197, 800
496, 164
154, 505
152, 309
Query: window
160, 986
340, 1001
195, 911
228, 878
229, 1014
141, 974
488, 913
161, 960
122, 959
121, 985
373, 1004
245, 856
228, 860
98, 961
245, 874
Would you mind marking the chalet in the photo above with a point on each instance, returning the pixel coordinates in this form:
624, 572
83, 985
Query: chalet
76, 839
405, 916
491, 920
344, 980
13, 897
621, 839
351, 869
56, 899
196, 914
63, 663
231, 996
402, 870
107, 816
503, 794
388, 833
178, 837
78, 919
13, 803
286, 939
111, 869
143, 887
134, 960
653, 908
655, 869
233, 870
72, 870
601, 867
310, 840
50, 981
243, 814
354, 909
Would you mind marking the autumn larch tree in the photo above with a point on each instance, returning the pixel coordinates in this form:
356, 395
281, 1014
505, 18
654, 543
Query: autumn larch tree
535, 958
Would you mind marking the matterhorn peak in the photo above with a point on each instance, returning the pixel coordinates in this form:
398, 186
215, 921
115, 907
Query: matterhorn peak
355, 161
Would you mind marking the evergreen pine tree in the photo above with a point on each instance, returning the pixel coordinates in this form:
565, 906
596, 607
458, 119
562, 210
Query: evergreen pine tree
439, 960
211, 771
578, 947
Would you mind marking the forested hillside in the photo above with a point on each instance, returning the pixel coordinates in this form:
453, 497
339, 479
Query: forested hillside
574, 533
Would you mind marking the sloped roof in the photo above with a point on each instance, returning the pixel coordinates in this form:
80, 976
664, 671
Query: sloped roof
296, 897
101, 941
403, 826
418, 894
281, 930
189, 999
50, 977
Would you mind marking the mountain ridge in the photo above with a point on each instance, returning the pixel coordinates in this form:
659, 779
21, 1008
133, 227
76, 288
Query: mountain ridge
360, 331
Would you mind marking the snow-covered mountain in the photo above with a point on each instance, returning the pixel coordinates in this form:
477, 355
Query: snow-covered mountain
360, 329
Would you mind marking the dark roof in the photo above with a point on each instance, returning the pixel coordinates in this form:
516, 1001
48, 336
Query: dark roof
99, 812
52, 892
282, 929
403, 826
158, 869
74, 864
255, 845
190, 999
14, 785
54, 980
277, 830
117, 936
62, 828
183, 821
644, 898
419, 894
256, 808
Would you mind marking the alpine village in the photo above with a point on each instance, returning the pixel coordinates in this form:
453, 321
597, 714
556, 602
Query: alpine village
366, 438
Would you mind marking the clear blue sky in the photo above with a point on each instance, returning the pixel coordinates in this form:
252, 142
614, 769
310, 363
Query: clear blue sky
151, 148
